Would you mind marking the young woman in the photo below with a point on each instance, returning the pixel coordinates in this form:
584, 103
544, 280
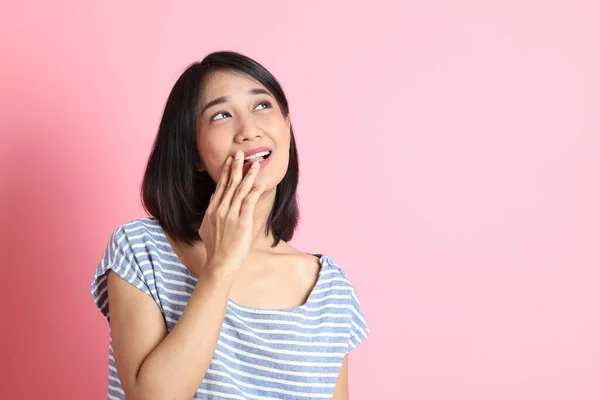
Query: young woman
207, 298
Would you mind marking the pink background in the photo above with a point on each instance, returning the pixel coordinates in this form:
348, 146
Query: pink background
450, 162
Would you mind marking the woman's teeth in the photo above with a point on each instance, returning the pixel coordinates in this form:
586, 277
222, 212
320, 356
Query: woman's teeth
257, 157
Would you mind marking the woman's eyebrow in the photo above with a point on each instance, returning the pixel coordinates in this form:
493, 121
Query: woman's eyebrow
256, 91
225, 99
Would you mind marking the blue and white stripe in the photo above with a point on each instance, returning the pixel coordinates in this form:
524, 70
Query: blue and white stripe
294, 353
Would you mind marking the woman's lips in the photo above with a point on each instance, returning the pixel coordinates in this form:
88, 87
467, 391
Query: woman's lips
262, 161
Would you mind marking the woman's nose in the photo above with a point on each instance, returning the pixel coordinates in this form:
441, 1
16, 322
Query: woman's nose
248, 130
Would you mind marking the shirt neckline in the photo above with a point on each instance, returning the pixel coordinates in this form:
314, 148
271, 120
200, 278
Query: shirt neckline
232, 304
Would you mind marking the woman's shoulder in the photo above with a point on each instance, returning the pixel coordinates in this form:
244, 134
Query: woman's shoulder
135, 227
333, 273
133, 252
141, 239
346, 294
137, 232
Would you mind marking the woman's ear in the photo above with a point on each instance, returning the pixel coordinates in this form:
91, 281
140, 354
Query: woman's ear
288, 120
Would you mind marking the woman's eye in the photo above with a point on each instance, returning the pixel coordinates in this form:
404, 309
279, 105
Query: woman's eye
263, 105
219, 116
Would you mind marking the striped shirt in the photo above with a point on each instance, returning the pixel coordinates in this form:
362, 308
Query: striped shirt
293, 353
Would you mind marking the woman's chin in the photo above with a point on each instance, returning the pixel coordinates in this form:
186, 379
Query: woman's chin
269, 178
270, 185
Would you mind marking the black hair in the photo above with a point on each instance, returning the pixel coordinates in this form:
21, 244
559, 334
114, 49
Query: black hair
173, 190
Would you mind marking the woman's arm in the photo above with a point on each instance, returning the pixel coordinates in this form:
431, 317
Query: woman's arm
152, 364
341, 391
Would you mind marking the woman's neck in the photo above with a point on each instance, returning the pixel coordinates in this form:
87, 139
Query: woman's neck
262, 210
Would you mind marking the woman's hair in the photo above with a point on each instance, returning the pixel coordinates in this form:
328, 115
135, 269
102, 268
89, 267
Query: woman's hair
173, 190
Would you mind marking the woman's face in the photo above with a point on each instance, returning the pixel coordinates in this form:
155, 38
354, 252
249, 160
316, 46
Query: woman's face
238, 113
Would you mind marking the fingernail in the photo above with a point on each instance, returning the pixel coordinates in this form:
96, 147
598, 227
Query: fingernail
254, 164
239, 154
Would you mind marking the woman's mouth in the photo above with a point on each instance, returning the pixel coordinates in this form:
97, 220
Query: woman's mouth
260, 157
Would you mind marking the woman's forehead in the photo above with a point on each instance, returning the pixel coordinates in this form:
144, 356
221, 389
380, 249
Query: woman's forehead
228, 83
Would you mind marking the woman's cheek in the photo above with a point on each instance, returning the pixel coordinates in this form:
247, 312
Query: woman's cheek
211, 157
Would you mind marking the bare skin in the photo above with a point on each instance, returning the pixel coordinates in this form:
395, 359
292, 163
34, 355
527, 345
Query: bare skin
234, 260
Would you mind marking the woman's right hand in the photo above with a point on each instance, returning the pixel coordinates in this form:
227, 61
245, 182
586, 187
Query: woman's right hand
226, 229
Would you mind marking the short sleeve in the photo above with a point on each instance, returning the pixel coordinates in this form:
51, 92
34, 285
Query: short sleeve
359, 330
119, 257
